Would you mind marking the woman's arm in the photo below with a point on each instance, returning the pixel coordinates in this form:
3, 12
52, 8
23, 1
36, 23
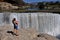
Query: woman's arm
16, 22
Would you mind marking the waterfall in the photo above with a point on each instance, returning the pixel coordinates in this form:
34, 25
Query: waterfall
43, 22
1, 19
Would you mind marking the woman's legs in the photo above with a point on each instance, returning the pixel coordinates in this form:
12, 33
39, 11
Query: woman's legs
16, 32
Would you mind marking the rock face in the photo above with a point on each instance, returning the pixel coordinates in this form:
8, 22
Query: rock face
24, 34
7, 6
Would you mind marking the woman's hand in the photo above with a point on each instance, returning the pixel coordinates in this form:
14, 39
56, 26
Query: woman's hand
16, 22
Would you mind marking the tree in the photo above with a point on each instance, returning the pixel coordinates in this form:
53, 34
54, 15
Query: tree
51, 3
41, 5
57, 2
18, 2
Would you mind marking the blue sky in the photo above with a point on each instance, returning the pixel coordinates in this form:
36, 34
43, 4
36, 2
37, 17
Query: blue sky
29, 1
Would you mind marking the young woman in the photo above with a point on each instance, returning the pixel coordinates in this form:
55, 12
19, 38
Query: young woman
15, 23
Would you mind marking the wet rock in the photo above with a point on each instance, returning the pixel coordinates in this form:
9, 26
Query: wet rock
46, 36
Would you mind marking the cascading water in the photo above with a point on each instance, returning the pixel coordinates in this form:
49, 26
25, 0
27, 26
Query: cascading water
43, 22
1, 19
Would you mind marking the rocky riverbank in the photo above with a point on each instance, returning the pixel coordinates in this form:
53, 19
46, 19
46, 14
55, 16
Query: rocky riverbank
24, 34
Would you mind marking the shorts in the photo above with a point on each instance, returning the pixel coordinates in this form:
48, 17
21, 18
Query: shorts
16, 27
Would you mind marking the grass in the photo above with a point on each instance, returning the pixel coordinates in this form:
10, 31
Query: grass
29, 11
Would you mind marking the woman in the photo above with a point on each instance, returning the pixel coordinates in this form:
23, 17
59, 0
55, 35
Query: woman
15, 23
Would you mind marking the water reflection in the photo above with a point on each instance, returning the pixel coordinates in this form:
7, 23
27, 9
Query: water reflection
33, 9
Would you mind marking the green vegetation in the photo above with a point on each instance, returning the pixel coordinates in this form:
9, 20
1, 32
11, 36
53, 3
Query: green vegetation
30, 11
49, 5
41, 6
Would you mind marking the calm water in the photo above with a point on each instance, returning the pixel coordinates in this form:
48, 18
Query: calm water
32, 9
